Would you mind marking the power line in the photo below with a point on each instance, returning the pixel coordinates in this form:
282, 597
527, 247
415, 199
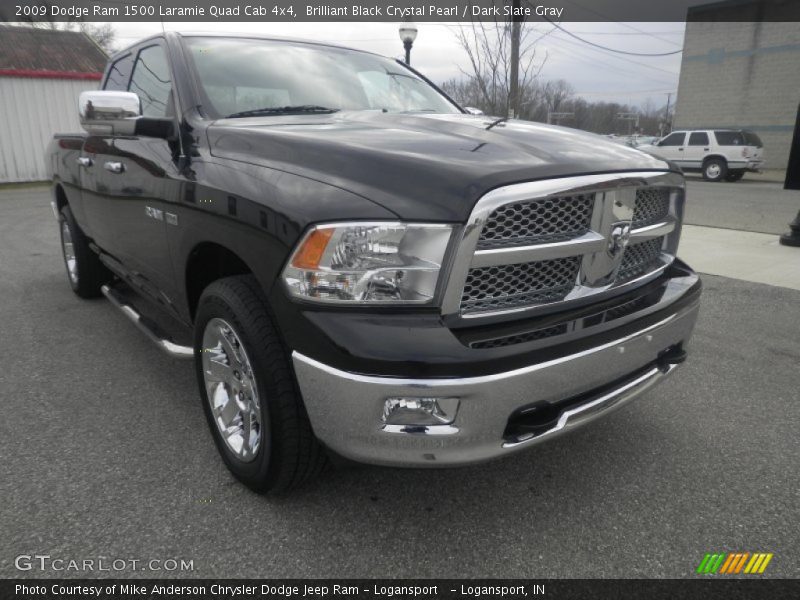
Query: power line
606, 48
626, 93
638, 32
623, 58
605, 18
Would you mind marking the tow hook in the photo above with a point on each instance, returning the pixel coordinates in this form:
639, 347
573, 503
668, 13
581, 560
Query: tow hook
674, 355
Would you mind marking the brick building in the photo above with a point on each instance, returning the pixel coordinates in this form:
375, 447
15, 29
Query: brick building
742, 74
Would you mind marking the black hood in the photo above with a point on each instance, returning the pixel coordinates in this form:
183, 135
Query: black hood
421, 167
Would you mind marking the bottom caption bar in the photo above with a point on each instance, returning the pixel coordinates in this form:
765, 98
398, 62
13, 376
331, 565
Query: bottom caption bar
423, 589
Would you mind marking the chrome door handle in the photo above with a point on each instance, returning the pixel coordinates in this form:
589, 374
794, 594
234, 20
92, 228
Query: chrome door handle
114, 167
85, 161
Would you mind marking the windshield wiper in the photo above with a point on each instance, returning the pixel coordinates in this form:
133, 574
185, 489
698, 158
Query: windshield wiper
284, 110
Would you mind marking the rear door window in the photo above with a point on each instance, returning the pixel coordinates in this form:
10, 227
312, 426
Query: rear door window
698, 138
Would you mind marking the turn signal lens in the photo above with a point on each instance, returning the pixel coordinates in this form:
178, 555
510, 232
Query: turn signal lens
310, 251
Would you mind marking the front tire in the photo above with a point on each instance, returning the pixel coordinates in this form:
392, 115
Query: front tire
248, 391
85, 273
715, 169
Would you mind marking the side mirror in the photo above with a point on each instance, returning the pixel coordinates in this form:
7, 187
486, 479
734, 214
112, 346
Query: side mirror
473, 111
104, 112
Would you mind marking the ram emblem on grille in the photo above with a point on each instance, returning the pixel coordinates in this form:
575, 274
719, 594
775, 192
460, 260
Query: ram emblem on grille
619, 238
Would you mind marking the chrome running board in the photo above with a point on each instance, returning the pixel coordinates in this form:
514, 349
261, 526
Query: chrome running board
149, 328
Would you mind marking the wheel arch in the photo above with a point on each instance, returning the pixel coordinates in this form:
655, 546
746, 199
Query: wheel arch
712, 156
59, 196
207, 262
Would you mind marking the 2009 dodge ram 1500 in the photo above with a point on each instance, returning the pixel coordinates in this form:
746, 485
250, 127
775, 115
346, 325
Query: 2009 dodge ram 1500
359, 266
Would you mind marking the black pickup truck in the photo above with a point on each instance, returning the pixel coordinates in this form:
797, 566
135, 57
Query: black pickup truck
358, 266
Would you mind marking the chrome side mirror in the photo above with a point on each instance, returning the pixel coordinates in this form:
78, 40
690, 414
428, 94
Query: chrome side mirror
473, 111
105, 112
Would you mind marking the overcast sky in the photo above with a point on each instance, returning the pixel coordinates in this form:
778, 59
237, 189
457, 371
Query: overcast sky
594, 73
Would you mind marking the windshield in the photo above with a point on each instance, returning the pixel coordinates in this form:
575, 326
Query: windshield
241, 75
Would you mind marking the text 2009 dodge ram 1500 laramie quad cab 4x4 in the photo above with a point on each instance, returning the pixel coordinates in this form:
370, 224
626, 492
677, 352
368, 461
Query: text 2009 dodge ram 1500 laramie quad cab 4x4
358, 266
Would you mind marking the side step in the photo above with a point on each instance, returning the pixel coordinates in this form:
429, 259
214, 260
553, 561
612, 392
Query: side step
147, 326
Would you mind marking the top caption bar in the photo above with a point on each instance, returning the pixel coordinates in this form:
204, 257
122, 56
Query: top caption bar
388, 10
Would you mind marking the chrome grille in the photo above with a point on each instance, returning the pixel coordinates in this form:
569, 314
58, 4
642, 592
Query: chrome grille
640, 258
538, 221
652, 205
510, 286
551, 241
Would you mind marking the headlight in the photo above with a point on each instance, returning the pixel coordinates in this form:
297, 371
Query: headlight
368, 262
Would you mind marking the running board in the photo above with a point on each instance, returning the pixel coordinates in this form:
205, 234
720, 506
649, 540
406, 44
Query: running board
148, 327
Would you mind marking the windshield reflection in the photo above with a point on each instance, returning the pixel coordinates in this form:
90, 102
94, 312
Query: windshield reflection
240, 76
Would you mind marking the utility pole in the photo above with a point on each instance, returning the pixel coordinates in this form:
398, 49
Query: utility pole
516, 28
667, 124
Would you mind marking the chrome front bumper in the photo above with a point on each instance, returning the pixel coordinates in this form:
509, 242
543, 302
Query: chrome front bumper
346, 409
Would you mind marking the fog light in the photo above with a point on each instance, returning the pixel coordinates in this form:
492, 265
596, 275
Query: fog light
420, 412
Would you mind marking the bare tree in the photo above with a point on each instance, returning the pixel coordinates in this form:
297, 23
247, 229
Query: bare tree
103, 34
487, 45
556, 92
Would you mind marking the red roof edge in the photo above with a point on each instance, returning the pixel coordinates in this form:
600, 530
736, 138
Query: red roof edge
48, 74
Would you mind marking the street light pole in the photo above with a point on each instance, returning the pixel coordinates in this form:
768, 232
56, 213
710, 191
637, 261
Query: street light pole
408, 33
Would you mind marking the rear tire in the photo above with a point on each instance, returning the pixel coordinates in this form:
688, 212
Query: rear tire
715, 169
248, 390
85, 273
734, 176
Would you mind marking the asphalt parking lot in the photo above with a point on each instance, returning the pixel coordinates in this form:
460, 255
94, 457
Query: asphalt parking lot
105, 452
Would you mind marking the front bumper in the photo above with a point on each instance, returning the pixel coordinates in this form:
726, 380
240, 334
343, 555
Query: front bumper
346, 409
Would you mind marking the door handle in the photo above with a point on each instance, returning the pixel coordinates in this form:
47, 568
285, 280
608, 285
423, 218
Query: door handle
85, 161
679, 150
114, 167
706, 149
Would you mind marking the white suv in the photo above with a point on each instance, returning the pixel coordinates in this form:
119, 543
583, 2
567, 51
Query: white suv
718, 153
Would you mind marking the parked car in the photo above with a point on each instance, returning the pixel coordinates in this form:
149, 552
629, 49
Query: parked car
719, 154
643, 140
357, 266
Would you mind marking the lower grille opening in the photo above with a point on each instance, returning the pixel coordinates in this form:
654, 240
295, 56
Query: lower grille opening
526, 331
521, 338
535, 419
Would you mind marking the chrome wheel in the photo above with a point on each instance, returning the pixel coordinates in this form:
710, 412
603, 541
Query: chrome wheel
68, 249
713, 171
231, 390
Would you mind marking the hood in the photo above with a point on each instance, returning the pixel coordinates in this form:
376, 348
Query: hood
429, 167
